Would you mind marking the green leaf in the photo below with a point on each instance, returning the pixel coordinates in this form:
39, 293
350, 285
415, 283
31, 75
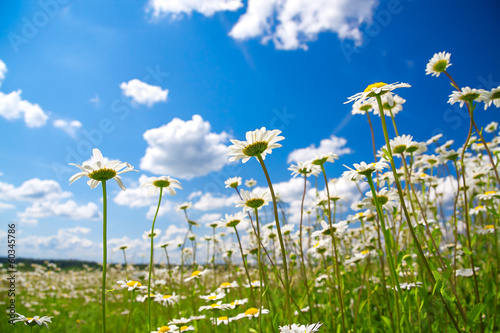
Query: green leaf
474, 314
467, 251
253, 330
437, 286
107, 291
446, 296
493, 212
387, 322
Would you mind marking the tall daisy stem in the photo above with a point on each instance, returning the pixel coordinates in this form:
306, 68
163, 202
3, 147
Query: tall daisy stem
151, 260
259, 263
335, 252
282, 244
104, 254
407, 215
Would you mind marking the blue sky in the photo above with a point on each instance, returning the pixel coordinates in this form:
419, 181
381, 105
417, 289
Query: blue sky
213, 70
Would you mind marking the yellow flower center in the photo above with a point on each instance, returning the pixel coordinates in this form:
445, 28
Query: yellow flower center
133, 283
29, 318
225, 285
223, 318
316, 245
375, 85
212, 297
251, 312
490, 192
214, 305
489, 227
164, 329
183, 328
167, 296
365, 252
195, 273
479, 207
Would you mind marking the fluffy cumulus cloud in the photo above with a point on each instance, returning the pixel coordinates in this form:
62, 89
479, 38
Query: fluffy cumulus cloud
143, 93
290, 24
184, 149
208, 201
47, 199
13, 107
177, 7
331, 145
68, 126
138, 196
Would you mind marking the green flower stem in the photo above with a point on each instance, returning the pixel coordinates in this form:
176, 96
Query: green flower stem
373, 136
151, 260
429, 234
466, 211
273, 265
213, 258
394, 123
283, 251
335, 252
130, 310
259, 264
303, 265
245, 264
104, 254
125, 258
407, 216
389, 248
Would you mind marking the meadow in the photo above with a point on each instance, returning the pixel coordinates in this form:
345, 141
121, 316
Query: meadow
418, 253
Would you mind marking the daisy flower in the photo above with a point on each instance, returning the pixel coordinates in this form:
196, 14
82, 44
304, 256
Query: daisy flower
228, 285
468, 95
304, 169
238, 302
213, 297
221, 320
338, 229
466, 272
393, 105
250, 183
100, 170
259, 143
401, 143
252, 313
438, 64
170, 299
379, 88
163, 329
323, 158
388, 199
183, 206
362, 107
295, 328
250, 201
183, 321
231, 221
488, 229
363, 170
148, 234
233, 182
131, 285
197, 274
32, 321
489, 195
186, 328
215, 306
165, 182
493, 96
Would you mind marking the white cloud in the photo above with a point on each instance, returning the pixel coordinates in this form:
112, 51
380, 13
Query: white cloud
205, 7
3, 70
12, 107
184, 149
210, 202
143, 93
195, 195
95, 100
332, 145
290, 24
209, 217
79, 230
69, 209
70, 127
165, 207
46, 197
5, 206
32, 190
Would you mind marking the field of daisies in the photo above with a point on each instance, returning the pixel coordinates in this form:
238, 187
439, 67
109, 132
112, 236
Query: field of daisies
403, 261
